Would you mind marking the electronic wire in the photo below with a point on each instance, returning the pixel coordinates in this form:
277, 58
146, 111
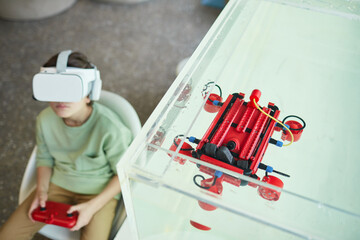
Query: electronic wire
177, 145
292, 136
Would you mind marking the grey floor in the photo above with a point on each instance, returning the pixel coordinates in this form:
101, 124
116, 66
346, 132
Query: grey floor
136, 47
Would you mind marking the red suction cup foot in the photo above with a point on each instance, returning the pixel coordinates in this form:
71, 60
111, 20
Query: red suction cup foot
206, 206
296, 133
209, 105
185, 149
269, 193
199, 226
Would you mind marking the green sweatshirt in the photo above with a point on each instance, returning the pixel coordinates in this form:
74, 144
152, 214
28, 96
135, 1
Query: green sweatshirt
83, 158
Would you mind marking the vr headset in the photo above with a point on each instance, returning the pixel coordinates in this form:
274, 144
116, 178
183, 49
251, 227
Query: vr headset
66, 84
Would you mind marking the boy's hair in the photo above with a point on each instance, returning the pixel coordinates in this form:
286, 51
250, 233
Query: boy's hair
76, 59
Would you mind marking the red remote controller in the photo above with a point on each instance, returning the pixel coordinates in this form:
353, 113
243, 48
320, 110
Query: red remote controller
56, 214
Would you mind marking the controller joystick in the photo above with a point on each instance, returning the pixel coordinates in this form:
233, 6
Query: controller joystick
42, 208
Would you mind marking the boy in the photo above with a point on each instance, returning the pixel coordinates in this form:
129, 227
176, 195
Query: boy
79, 144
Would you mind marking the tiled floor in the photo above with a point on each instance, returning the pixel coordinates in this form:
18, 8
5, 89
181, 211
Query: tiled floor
136, 47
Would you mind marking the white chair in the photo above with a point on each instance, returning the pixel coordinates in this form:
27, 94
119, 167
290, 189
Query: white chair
130, 118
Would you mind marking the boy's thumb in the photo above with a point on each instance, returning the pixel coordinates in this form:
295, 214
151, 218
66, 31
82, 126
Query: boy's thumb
72, 209
43, 200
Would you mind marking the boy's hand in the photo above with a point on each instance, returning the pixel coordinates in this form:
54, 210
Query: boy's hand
88, 209
40, 199
86, 212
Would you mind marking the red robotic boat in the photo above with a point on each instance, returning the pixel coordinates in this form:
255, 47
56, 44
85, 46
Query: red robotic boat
237, 140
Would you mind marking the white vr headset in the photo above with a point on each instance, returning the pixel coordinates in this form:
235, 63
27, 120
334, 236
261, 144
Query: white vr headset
66, 84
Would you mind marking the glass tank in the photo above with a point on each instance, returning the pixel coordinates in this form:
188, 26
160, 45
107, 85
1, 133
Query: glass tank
304, 58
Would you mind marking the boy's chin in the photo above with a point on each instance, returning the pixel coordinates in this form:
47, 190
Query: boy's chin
62, 114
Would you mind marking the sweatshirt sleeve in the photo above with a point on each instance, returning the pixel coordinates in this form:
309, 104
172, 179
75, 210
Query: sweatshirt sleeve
43, 157
116, 145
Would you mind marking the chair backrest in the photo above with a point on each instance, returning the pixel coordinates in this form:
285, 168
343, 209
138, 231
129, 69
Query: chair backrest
129, 117
123, 109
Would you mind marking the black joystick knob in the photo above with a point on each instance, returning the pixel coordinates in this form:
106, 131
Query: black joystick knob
42, 208
69, 215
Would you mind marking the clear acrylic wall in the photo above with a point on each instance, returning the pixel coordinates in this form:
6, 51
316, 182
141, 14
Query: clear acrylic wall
304, 56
